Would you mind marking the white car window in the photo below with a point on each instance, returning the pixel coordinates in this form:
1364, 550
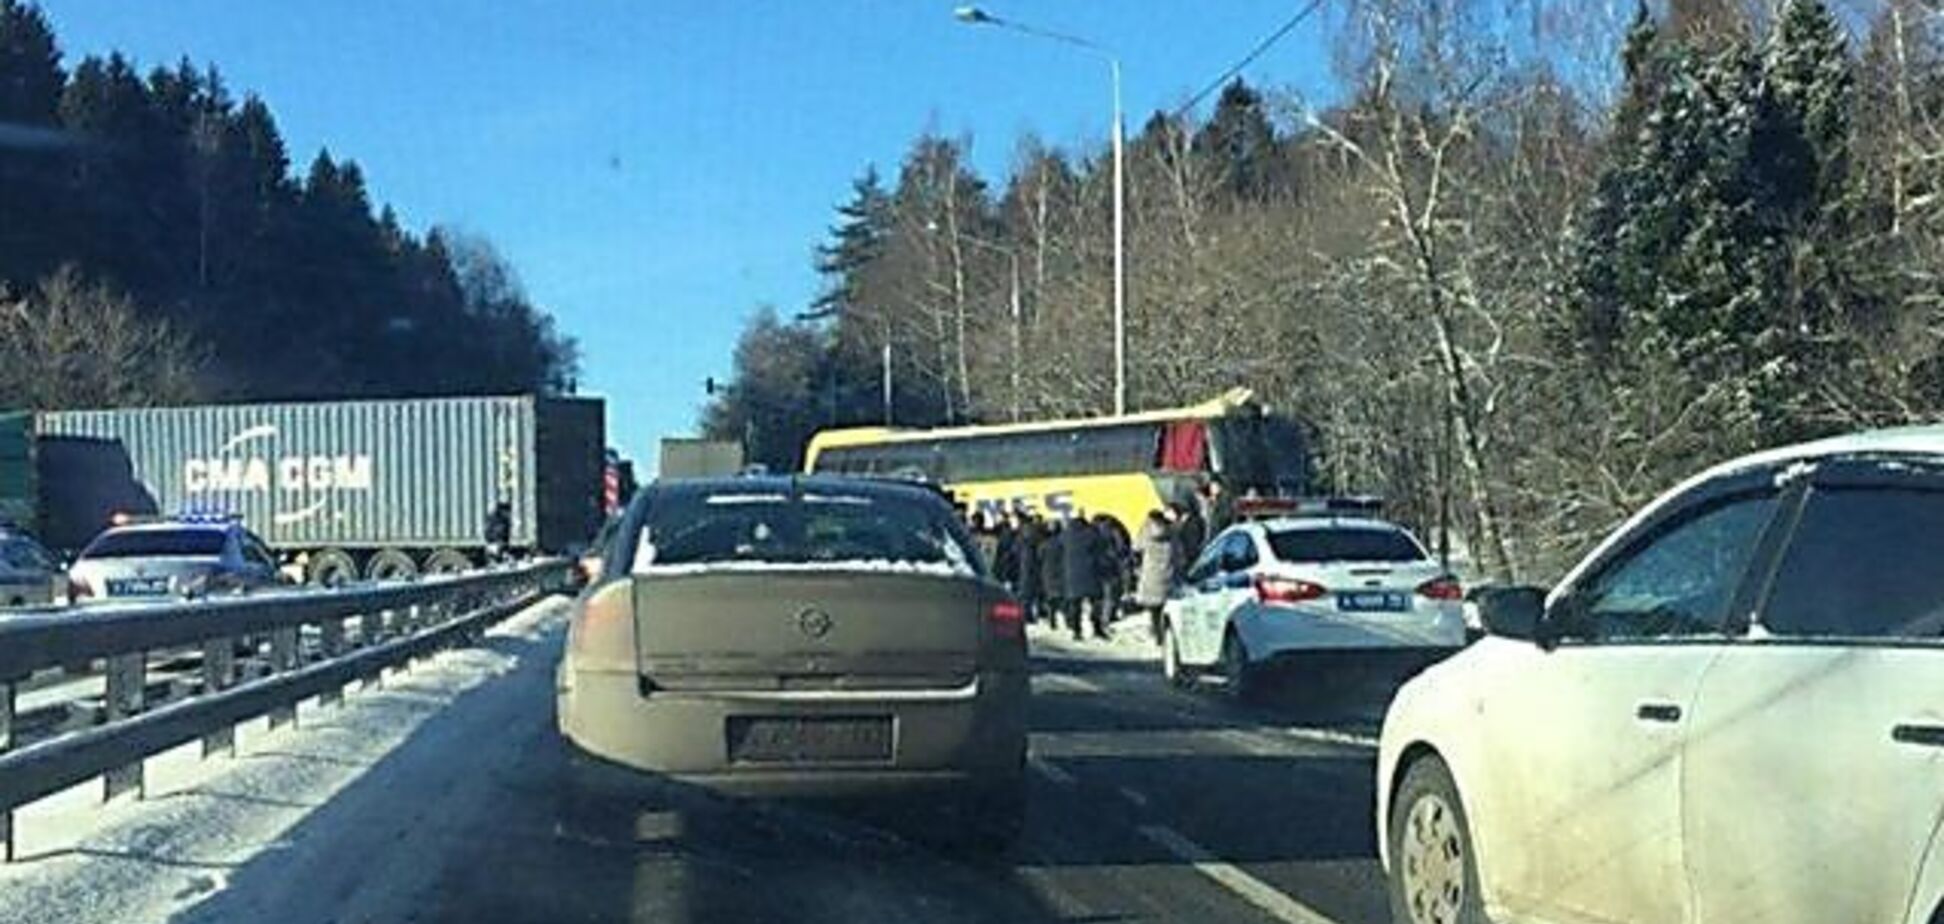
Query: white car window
1678, 584
1238, 552
1862, 564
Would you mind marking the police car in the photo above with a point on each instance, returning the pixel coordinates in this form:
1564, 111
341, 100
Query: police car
183, 556
1307, 580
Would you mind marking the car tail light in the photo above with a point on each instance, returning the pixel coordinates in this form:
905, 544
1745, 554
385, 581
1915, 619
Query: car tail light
1445, 587
1271, 589
1008, 619
602, 635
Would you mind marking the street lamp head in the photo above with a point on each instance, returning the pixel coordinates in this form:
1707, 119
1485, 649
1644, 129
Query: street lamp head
972, 15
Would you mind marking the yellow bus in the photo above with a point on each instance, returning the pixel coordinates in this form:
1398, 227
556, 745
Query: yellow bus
1123, 466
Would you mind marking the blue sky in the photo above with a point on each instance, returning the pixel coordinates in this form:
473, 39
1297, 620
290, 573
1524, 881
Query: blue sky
658, 170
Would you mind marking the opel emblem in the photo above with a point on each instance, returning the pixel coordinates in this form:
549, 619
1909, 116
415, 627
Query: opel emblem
814, 622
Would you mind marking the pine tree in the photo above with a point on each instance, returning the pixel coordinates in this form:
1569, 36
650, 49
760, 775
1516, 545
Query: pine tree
33, 220
855, 243
30, 67
1241, 143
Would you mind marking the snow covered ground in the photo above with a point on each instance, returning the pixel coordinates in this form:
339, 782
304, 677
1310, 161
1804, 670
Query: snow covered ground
1128, 641
152, 858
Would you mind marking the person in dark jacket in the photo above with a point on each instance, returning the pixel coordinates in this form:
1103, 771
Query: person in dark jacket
1116, 555
1005, 564
1026, 567
1191, 532
499, 530
1080, 555
1217, 507
1052, 568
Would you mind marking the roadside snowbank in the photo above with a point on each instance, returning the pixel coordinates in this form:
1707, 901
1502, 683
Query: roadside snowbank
145, 860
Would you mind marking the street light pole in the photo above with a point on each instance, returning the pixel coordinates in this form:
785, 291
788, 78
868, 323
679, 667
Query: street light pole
1014, 257
887, 369
1120, 254
973, 15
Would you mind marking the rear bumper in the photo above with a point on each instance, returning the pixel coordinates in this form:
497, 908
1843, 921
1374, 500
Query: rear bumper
940, 739
1269, 631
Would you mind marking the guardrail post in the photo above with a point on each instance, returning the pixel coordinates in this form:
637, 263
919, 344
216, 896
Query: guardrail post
127, 681
372, 631
283, 657
219, 673
6, 744
332, 635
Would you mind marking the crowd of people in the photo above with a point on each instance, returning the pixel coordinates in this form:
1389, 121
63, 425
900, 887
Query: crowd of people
1076, 571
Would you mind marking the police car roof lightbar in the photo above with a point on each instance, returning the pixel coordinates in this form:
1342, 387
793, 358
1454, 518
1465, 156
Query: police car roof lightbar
1260, 508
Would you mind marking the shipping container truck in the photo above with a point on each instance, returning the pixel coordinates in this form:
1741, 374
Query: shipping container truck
373, 489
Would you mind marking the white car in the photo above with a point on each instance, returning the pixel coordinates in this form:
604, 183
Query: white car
1265, 592
29, 576
1731, 711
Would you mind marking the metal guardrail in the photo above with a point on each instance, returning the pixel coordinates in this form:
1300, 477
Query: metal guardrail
394, 624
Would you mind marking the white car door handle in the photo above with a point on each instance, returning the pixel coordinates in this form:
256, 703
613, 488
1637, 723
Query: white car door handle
1927, 735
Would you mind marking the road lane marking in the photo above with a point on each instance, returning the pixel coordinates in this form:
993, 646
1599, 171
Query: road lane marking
1052, 771
1067, 683
1332, 736
1231, 877
1135, 796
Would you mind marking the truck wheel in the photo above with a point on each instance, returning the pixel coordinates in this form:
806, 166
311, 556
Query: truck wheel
391, 565
448, 561
332, 568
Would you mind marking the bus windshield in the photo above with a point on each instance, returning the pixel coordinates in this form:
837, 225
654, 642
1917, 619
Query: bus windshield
1267, 453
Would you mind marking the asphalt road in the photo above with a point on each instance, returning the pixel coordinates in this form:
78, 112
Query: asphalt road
1148, 804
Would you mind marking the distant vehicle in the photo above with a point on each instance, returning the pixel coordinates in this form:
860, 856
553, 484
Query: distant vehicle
1121, 466
369, 489
690, 457
1728, 711
813, 636
1266, 592
29, 575
64, 489
185, 557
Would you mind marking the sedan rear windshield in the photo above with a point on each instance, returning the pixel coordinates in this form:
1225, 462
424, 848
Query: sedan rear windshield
835, 529
1344, 544
148, 543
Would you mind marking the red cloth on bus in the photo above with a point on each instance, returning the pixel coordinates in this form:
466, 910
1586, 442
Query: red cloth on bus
1184, 446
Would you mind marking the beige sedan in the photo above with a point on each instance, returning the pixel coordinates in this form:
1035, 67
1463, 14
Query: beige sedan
804, 637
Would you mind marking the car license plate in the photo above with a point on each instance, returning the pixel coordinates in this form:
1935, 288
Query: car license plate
805, 739
137, 587
1373, 602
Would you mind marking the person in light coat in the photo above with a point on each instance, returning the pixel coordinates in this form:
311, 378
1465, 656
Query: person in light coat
1157, 545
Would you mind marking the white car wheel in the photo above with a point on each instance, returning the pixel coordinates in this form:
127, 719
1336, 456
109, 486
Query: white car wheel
1178, 674
1433, 877
1243, 676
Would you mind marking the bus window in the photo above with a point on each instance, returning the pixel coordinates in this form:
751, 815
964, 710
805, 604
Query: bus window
1104, 450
